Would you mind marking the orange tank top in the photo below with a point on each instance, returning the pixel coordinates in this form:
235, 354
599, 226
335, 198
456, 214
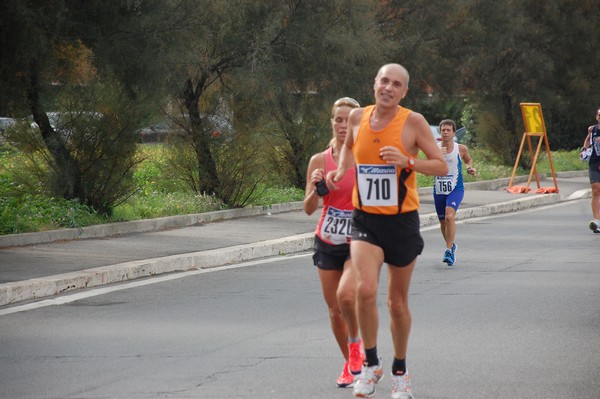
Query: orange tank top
381, 188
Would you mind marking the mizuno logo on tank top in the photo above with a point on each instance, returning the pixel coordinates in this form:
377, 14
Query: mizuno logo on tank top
376, 169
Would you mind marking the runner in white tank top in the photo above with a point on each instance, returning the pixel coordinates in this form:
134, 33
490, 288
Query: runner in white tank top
448, 190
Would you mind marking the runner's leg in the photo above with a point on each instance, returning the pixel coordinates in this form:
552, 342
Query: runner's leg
330, 280
401, 319
366, 262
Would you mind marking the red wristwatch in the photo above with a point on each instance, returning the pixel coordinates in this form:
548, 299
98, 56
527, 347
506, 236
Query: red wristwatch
411, 163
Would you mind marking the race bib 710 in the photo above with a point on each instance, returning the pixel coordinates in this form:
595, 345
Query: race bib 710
377, 185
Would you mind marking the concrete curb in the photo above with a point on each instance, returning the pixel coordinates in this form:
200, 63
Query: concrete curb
61, 283
174, 222
54, 285
141, 226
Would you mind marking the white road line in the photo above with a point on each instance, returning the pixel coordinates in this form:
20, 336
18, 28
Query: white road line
580, 194
64, 299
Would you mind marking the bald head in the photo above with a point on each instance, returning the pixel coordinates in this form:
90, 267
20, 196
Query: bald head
394, 69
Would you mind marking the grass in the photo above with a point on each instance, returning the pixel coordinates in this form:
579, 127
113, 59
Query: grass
489, 168
159, 196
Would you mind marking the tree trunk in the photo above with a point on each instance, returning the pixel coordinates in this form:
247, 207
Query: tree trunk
207, 170
67, 180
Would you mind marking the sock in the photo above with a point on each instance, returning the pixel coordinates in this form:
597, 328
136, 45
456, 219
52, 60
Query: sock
399, 367
353, 340
371, 358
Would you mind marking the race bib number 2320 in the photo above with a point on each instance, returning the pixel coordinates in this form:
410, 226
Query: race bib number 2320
337, 227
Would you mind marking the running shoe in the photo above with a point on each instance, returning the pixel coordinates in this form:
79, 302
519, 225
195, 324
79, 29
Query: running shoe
356, 358
401, 387
448, 257
345, 380
369, 376
595, 226
454, 247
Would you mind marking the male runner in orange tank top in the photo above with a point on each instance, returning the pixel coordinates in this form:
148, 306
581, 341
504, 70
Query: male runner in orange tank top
382, 145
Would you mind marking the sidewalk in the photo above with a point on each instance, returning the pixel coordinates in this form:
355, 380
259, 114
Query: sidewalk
36, 265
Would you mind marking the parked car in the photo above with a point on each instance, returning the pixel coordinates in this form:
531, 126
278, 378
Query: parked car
219, 127
63, 122
5, 123
61, 119
460, 134
159, 131
435, 132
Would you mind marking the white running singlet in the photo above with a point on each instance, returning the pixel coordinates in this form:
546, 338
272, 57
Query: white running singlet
444, 185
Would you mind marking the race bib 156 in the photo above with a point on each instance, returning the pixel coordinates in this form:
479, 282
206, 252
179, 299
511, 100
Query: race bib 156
444, 184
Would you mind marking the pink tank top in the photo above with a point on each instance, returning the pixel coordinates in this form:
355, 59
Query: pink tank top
334, 225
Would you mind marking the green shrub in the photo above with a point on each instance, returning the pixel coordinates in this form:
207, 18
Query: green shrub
38, 213
279, 195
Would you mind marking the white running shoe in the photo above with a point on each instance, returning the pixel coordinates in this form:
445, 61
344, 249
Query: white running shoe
401, 386
369, 376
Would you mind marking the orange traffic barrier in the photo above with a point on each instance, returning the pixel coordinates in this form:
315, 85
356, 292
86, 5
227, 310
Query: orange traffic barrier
547, 190
518, 189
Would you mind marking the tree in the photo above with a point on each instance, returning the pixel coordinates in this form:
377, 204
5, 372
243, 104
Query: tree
494, 55
345, 49
285, 58
540, 57
62, 53
217, 43
428, 38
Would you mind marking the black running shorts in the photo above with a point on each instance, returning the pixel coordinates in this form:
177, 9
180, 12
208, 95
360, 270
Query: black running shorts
594, 172
330, 257
398, 235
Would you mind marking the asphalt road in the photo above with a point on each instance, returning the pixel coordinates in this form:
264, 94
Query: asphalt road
518, 316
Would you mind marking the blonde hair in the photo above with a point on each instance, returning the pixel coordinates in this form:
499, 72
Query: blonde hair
341, 102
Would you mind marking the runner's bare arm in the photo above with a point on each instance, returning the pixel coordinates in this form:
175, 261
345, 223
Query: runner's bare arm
314, 174
346, 160
586, 142
434, 165
466, 157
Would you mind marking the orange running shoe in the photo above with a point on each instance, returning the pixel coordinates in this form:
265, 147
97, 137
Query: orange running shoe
345, 380
357, 357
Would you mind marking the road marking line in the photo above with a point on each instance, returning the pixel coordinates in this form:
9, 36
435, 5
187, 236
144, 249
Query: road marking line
64, 299
580, 193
